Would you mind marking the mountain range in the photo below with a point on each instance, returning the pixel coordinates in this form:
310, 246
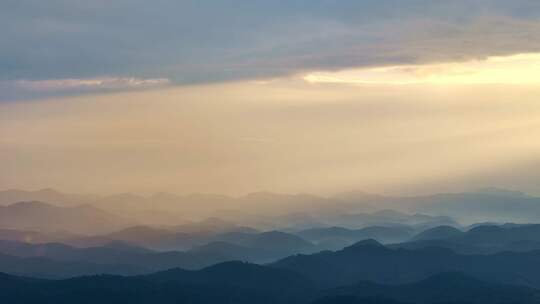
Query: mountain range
372, 261
39, 216
267, 211
339, 237
488, 204
55, 260
321, 251
483, 239
236, 282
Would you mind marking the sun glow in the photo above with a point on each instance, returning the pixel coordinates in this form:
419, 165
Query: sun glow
514, 69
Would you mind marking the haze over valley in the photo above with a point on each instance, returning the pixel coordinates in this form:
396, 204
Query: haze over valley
270, 152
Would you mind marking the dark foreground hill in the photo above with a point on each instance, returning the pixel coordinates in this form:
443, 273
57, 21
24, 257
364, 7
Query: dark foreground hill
236, 282
232, 282
365, 260
369, 260
440, 288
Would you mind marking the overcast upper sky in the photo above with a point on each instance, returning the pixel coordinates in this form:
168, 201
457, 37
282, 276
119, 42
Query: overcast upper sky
140, 43
322, 96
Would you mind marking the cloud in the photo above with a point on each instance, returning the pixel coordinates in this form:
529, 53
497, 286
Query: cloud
209, 41
103, 83
521, 69
17, 89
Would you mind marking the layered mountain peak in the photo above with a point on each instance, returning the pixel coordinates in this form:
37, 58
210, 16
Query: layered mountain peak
366, 244
501, 192
30, 205
438, 233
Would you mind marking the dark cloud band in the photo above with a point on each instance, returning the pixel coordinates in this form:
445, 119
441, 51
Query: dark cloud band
207, 41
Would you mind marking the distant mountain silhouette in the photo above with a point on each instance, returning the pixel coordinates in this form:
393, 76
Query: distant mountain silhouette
154, 238
235, 251
340, 235
163, 208
503, 206
43, 267
46, 217
59, 260
170, 209
369, 260
258, 247
280, 242
62, 252
28, 236
483, 239
213, 225
304, 211
438, 233
235, 237
48, 195
157, 209
502, 234
488, 204
159, 239
249, 246
389, 218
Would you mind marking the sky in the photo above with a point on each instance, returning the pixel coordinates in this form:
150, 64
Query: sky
318, 96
